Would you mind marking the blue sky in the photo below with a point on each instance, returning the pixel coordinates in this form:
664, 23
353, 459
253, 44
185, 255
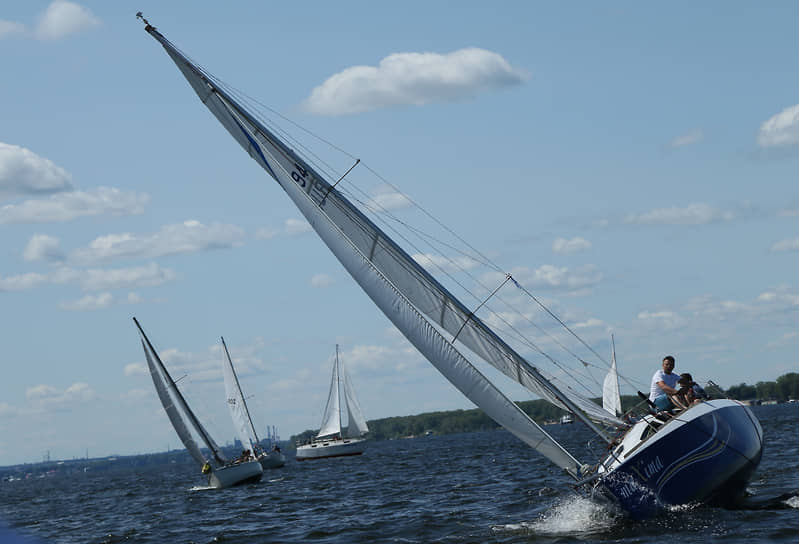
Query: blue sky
634, 168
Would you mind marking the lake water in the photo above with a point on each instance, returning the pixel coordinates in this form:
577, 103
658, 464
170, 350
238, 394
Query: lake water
484, 487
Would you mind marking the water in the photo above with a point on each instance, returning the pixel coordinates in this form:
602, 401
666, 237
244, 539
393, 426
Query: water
482, 487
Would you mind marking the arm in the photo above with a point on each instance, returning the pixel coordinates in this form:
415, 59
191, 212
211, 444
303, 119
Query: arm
667, 389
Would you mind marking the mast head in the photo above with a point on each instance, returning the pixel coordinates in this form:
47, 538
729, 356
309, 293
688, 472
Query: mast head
148, 26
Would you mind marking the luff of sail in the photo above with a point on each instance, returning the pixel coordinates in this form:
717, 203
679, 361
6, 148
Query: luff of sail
394, 281
177, 411
237, 405
421, 289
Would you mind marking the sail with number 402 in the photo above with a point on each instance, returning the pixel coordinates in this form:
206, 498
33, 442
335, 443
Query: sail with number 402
415, 302
237, 405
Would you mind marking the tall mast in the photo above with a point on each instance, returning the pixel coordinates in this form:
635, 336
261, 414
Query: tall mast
338, 391
241, 393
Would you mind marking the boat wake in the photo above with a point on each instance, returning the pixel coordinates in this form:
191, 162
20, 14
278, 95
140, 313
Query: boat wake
784, 501
574, 515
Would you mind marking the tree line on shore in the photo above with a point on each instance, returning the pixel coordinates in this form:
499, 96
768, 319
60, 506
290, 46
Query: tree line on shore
457, 421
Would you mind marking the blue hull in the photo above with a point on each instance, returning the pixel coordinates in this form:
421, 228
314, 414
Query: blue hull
705, 455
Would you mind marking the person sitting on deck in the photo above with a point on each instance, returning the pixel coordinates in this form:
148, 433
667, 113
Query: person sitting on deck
663, 385
690, 392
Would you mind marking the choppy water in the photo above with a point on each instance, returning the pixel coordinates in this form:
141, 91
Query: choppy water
466, 488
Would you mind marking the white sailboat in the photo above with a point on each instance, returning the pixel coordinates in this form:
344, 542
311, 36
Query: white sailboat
220, 472
240, 415
334, 440
709, 454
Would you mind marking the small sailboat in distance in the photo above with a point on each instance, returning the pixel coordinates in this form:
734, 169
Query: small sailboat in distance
237, 405
333, 440
707, 454
220, 472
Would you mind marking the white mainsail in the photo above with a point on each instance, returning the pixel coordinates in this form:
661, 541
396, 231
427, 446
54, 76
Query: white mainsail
331, 420
237, 405
178, 411
397, 284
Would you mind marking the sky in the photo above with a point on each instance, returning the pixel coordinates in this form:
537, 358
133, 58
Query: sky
633, 167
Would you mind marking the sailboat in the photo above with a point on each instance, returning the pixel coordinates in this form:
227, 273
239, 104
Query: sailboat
220, 472
240, 414
707, 454
333, 440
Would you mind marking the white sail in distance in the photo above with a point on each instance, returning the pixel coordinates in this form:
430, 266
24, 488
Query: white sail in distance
395, 282
611, 399
331, 420
356, 424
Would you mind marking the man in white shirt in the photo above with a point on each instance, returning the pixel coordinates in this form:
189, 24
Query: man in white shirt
664, 383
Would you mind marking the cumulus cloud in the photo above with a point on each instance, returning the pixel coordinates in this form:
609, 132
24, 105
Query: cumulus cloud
321, 280
23, 173
693, 137
187, 237
559, 278
64, 207
49, 397
562, 245
404, 79
693, 214
92, 279
660, 319
786, 245
781, 130
62, 18
89, 302
447, 264
42, 247
387, 198
291, 227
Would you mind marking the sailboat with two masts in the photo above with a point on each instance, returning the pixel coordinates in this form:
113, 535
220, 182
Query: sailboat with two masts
240, 414
220, 472
707, 454
333, 439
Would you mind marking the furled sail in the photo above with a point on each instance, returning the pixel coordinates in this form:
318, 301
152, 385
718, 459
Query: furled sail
176, 407
331, 420
237, 405
399, 286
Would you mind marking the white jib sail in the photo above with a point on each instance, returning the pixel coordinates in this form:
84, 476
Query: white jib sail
236, 404
356, 425
331, 420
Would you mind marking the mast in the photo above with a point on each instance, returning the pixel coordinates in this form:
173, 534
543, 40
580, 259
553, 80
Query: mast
241, 393
338, 392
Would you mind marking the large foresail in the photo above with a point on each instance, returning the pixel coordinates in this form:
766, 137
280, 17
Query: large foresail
179, 412
356, 425
331, 420
236, 403
420, 288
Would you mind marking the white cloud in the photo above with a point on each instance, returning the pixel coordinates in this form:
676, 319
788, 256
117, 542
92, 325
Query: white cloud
666, 319
403, 79
187, 237
136, 369
68, 206
62, 18
23, 172
693, 214
93, 279
10, 28
291, 227
559, 278
781, 129
321, 280
441, 262
562, 245
49, 397
42, 247
693, 137
786, 245
89, 302
387, 198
